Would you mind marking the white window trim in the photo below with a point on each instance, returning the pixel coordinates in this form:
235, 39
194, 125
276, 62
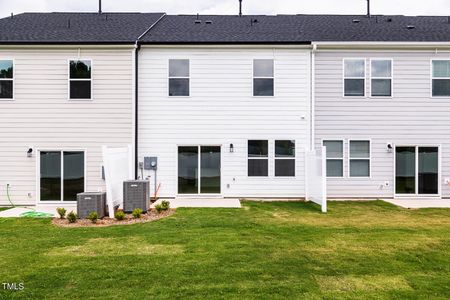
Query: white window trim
344, 77
260, 158
432, 77
336, 158
350, 159
80, 79
275, 158
416, 194
9, 79
38, 174
376, 77
178, 77
262, 77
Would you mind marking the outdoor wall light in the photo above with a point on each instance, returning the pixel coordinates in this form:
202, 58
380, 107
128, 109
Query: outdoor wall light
389, 147
231, 148
30, 152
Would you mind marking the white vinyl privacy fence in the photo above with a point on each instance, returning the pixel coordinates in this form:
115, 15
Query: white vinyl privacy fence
118, 166
316, 179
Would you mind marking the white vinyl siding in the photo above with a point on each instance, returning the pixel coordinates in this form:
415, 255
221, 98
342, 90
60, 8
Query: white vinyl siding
221, 110
411, 117
41, 117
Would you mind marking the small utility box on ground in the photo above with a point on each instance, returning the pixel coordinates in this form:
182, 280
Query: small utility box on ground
89, 202
136, 194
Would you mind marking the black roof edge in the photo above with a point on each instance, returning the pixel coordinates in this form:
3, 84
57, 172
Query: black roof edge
228, 43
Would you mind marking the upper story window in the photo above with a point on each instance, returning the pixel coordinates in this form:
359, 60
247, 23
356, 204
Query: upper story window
6, 79
381, 78
258, 158
359, 158
263, 78
285, 158
441, 78
179, 77
354, 77
335, 158
80, 80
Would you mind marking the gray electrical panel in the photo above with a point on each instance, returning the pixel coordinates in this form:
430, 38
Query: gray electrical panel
150, 163
136, 194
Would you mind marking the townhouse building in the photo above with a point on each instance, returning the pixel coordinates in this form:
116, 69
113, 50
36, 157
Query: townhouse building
228, 105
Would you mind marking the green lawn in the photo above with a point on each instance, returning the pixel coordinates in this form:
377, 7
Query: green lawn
364, 250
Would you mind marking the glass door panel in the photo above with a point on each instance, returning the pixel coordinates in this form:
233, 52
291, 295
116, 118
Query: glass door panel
210, 170
50, 177
405, 170
428, 170
188, 170
73, 175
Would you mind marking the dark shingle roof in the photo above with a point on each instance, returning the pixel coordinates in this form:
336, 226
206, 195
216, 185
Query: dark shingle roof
172, 29
297, 29
75, 27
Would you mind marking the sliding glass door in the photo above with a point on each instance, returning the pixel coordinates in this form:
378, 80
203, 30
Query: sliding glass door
61, 175
416, 170
199, 170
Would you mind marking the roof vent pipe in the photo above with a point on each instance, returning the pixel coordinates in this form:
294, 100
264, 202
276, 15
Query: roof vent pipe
12, 15
368, 8
240, 8
99, 6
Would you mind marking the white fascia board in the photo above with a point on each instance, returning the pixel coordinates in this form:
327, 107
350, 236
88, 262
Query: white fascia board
382, 45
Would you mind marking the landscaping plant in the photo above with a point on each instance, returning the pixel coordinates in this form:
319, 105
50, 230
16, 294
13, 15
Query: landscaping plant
137, 212
61, 212
72, 217
93, 216
165, 204
119, 215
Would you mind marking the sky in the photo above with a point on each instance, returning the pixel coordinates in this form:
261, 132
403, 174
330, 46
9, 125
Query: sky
266, 7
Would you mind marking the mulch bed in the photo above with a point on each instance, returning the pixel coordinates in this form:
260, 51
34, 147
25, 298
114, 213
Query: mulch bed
148, 217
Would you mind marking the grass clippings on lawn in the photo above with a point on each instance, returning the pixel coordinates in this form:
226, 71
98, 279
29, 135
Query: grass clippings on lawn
289, 250
129, 220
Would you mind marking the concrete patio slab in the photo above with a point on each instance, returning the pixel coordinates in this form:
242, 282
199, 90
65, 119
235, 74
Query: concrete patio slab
202, 202
14, 212
420, 203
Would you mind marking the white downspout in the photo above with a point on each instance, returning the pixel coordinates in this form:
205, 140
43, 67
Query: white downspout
313, 96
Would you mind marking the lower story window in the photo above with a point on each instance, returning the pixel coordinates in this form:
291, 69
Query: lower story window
335, 158
285, 158
359, 158
61, 175
258, 158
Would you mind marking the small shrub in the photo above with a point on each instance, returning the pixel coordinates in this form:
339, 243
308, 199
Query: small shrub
72, 217
61, 212
137, 212
159, 208
93, 216
165, 204
119, 215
